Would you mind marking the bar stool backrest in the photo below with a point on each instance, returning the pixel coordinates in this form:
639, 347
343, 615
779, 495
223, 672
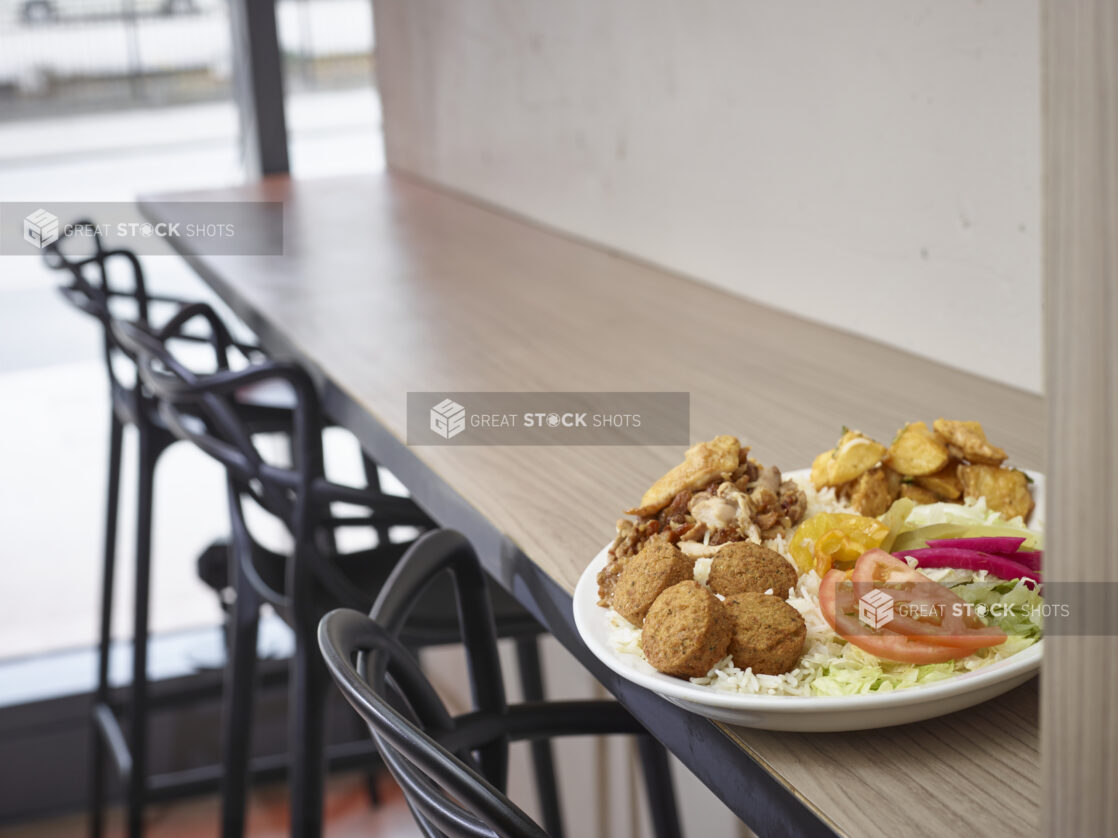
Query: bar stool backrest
92, 284
454, 790
203, 408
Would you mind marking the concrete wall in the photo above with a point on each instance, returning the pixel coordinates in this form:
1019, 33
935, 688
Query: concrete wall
871, 164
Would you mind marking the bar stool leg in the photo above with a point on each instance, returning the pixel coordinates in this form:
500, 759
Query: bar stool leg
308, 733
108, 568
658, 785
309, 681
137, 780
543, 760
372, 483
372, 476
237, 700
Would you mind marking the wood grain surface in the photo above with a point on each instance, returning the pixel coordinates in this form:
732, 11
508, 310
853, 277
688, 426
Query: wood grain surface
1080, 682
390, 286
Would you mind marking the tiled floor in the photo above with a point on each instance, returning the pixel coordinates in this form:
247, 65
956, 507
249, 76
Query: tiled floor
349, 814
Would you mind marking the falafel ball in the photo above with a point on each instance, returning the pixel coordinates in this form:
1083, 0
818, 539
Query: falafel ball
645, 576
686, 631
768, 633
744, 566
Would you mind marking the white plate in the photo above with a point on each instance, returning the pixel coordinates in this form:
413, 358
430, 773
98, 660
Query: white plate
806, 713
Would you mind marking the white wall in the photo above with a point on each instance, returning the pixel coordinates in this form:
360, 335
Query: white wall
872, 164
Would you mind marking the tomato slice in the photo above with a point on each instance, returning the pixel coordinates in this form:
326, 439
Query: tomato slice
838, 603
926, 622
877, 566
923, 608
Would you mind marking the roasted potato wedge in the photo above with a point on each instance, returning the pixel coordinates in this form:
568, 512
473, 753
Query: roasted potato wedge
918, 493
970, 440
821, 469
945, 482
873, 492
917, 451
895, 479
1006, 490
854, 455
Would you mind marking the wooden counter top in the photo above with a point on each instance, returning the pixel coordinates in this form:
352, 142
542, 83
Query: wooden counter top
389, 286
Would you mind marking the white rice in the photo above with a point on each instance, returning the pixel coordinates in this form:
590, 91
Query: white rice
823, 649
819, 500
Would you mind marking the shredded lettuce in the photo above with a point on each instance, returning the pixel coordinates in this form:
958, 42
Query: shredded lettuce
1011, 605
856, 671
971, 513
896, 519
907, 522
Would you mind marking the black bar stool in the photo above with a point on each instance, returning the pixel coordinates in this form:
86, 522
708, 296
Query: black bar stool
453, 770
315, 577
94, 286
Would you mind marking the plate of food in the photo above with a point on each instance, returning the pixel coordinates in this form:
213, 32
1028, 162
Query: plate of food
886, 584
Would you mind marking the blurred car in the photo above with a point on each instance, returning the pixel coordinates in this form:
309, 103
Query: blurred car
46, 11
